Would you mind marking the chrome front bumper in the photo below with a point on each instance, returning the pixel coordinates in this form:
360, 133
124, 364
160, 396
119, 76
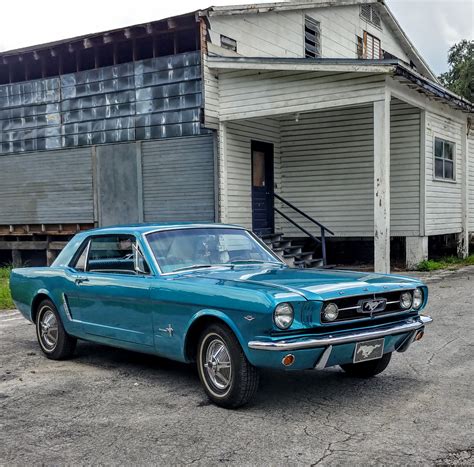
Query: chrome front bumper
409, 325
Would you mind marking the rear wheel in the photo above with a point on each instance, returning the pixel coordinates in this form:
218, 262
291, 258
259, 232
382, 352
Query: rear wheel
227, 376
367, 369
54, 341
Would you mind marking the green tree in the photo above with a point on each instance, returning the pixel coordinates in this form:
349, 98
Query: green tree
460, 76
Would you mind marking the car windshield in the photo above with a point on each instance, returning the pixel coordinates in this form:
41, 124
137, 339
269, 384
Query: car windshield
195, 248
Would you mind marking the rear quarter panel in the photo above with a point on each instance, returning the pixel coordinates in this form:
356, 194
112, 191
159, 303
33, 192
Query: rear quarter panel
27, 283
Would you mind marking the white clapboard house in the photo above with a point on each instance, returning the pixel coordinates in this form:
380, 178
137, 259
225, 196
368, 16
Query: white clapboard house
348, 121
302, 120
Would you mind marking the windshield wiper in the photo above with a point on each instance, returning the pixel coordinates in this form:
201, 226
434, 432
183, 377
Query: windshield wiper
194, 266
201, 266
254, 261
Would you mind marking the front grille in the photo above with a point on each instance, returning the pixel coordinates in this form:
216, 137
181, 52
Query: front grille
350, 307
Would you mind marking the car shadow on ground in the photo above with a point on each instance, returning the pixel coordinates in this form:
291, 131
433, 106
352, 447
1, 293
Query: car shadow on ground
328, 388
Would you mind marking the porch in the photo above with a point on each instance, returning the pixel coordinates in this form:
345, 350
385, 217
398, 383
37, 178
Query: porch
344, 141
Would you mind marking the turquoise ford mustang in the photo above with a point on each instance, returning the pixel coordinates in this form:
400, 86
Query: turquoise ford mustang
216, 295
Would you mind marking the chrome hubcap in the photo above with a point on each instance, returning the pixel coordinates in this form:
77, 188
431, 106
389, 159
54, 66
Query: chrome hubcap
218, 365
49, 329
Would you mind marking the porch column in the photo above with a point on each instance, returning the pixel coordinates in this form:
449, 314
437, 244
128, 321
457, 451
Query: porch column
463, 237
382, 185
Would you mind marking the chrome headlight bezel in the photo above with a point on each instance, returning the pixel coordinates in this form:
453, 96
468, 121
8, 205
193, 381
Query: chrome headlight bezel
330, 306
409, 305
418, 298
283, 315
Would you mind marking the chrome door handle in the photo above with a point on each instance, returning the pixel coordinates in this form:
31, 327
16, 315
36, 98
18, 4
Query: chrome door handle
80, 280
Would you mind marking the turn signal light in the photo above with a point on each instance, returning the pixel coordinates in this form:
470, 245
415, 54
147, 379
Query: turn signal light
288, 359
419, 335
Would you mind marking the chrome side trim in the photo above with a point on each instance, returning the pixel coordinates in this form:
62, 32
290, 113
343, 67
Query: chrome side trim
346, 338
323, 360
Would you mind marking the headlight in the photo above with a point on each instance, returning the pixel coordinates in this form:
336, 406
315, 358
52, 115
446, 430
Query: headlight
417, 298
406, 300
330, 312
283, 315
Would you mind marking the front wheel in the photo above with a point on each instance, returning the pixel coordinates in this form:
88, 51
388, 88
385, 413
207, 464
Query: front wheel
54, 341
367, 369
227, 376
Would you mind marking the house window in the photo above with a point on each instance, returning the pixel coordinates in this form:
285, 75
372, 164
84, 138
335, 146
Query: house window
369, 13
369, 47
228, 43
444, 159
312, 38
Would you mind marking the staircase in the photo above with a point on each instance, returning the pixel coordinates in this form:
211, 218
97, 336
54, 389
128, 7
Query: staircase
309, 252
294, 252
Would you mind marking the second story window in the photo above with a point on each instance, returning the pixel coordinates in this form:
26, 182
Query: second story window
369, 13
369, 47
312, 38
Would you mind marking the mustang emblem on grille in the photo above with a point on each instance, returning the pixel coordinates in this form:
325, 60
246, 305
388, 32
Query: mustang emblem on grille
371, 306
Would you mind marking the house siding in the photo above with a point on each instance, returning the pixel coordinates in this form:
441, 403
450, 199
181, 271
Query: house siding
405, 140
328, 170
236, 169
280, 34
47, 187
262, 94
471, 182
443, 198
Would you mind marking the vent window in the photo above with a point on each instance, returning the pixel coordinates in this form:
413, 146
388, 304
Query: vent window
228, 43
312, 38
368, 13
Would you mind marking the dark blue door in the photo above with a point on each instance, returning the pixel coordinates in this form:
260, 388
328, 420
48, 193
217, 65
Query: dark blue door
262, 187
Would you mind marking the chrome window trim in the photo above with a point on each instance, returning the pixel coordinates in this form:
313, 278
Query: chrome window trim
160, 271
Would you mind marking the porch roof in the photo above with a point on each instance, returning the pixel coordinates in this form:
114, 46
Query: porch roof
394, 68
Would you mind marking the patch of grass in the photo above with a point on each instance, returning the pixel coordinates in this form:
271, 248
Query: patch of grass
450, 262
6, 301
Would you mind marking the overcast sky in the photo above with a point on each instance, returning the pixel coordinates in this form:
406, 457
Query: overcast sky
432, 25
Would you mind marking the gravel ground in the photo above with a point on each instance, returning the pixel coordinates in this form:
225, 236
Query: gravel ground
113, 406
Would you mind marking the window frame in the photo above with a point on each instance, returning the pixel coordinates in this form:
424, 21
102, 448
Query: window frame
365, 38
453, 160
86, 246
308, 18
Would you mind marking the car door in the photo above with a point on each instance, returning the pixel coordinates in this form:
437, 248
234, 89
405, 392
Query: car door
108, 296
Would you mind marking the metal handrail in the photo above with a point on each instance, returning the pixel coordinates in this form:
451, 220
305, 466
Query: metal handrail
299, 211
324, 229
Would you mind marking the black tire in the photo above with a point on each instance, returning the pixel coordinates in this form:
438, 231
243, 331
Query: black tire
367, 369
242, 377
57, 345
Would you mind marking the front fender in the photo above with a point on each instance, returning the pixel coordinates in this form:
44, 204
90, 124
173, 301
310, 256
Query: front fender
220, 316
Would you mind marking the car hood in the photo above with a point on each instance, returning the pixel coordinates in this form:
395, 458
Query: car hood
312, 284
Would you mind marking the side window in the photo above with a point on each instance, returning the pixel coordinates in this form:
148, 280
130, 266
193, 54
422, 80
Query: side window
444, 159
113, 254
80, 264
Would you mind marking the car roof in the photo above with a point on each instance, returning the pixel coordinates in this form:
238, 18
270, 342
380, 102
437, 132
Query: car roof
152, 227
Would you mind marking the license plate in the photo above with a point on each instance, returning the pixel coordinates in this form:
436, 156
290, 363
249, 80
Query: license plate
368, 350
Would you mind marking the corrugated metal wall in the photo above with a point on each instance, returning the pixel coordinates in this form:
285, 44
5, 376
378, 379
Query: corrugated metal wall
178, 179
154, 98
47, 187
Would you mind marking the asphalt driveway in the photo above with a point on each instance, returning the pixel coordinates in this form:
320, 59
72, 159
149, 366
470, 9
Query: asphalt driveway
114, 406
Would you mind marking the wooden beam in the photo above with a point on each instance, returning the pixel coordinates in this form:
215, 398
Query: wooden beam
382, 185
